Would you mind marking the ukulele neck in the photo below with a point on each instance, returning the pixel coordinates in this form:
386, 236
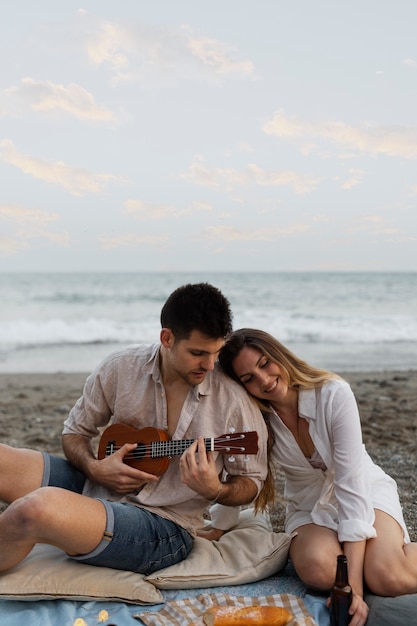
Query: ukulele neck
175, 447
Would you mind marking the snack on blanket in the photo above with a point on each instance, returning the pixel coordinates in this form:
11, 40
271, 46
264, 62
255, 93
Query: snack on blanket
249, 615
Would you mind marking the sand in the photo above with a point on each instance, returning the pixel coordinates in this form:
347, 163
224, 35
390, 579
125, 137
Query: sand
33, 408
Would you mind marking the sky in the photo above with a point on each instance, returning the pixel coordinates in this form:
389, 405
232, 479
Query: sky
225, 135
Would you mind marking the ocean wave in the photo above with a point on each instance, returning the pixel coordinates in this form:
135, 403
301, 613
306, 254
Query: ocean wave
25, 333
15, 334
70, 321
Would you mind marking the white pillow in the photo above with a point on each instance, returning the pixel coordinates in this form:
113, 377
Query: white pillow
247, 553
47, 573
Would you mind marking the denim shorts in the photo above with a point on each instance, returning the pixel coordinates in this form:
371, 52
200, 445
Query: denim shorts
135, 539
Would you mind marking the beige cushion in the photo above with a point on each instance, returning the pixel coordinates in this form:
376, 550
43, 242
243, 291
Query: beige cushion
47, 573
247, 553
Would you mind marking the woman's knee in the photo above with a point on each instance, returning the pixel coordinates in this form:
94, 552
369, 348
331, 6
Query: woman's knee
316, 568
382, 582
390, 579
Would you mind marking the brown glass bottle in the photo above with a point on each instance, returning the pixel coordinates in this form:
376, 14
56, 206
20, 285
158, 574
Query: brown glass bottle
341, 595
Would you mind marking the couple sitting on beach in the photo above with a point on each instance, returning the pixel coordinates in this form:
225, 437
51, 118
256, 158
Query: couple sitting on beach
200, 381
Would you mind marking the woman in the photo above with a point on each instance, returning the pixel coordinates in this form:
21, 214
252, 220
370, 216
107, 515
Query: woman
338, 499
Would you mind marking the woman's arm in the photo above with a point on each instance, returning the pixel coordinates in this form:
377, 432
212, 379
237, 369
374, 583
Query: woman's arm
355, 553
351, 481
352, 490
223, 518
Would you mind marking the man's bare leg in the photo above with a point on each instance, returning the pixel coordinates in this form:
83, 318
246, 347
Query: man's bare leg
21, 472
51, 515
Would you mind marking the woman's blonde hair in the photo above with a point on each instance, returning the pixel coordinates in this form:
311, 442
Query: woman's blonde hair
298, 373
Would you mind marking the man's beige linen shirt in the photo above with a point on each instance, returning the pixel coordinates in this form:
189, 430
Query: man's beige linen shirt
127, 387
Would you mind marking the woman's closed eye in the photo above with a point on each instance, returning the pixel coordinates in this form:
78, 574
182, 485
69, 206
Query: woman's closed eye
246, 379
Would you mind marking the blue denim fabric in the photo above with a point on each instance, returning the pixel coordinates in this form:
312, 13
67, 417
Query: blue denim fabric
59, 472
135, 539
138, 540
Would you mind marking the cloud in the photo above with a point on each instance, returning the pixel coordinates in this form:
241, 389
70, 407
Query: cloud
202, 206
241, 147
75, 180
142, 210
321, 218
200, 174
215, 54
355, 178
22, 215
45, 96
105, 44
364, 221
11, 245
375, 225
30, 225
410, 63
300, 184
398, 141
231, 233
149, 211
159, 54
130, 239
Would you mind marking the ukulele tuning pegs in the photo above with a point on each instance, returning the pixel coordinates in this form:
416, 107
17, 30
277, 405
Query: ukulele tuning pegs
246, 458
232, 430
246, 429
231, 459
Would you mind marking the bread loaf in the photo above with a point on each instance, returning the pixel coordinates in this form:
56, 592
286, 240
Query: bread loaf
249, 615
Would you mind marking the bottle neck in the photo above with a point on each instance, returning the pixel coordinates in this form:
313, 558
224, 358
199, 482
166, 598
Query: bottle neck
342, 572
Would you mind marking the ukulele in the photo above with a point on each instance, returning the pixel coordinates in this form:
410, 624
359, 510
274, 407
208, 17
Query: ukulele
155, 449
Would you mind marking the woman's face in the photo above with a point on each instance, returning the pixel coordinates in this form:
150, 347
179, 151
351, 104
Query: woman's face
261, 377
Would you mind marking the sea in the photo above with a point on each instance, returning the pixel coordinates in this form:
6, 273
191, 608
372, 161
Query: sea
346, 322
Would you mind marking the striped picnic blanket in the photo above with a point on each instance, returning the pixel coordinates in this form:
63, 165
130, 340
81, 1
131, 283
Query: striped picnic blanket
189, 611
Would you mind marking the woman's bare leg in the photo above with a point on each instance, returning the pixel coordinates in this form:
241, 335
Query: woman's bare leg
314, 554
390, 567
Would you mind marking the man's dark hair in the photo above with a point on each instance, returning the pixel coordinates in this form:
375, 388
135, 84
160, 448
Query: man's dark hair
199, 307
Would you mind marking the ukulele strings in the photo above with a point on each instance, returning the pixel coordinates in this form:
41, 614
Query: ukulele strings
175, 447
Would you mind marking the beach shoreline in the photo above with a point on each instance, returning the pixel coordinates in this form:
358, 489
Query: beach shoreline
34, 406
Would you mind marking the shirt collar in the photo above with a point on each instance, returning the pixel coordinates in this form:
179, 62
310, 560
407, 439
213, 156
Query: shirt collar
204, 388
307, 403
152, 364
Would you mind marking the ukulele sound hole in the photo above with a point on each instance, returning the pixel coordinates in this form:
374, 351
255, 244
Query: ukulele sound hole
140, 451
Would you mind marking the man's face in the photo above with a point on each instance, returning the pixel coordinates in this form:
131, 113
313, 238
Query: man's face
193, 357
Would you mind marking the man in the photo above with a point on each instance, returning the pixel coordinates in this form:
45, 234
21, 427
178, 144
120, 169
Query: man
106, 512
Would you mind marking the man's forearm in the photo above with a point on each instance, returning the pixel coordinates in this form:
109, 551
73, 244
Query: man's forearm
79, 452
235, 491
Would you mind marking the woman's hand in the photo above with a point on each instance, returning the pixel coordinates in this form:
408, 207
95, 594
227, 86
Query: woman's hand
212, 534
358, 610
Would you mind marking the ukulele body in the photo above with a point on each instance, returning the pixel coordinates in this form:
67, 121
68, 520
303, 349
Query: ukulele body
116, 435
